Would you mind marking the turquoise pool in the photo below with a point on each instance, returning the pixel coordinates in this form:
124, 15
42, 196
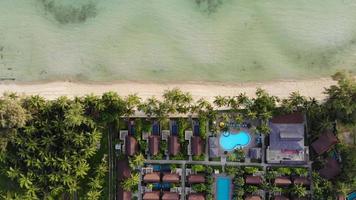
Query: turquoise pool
223, 188
230, 141
351, 196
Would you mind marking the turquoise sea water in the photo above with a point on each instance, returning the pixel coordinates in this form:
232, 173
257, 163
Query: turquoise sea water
230, 141
223, 188
175, 40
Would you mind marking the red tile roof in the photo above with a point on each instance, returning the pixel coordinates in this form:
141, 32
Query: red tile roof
170, 196
301, 180
197, 146
170, 178
196, 178
195, 196
123, 195
151, 195
294, 118
279, 197
282, 181
152, 177
331, 169
131, 145
253, 197
324, 142
173, 145
153, 143
253, 180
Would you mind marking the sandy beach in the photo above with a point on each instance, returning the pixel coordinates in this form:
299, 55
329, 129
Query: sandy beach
50, 90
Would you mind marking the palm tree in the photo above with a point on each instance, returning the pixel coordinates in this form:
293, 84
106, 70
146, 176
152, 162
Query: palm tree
221, 101
137, 161
131, 102
131, 183
299, 190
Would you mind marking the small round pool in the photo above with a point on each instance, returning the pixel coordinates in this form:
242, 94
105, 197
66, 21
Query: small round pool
230, 141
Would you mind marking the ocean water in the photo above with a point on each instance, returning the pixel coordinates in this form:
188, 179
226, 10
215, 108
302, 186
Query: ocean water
175, 40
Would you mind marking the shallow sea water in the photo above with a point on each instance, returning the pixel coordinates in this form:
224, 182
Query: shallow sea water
176, 40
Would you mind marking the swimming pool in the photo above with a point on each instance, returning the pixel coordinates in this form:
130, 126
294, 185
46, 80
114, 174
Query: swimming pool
230, 141
223, 188
351, 196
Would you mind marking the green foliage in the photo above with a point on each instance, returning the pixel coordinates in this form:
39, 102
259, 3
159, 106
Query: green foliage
300, 171
209, 6
182, 126
251, 189
177, 101
198, 168
49, 155
203, 122
322, 188
199, 187
299, 191
66, 14
96, 182
136, 161
284, 171
341, 99
131, 184
251, 170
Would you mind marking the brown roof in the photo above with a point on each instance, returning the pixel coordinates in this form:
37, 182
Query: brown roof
280, 198
123, 195
153, 142
253, 197
123, 170
196, 196
151, 195
301, 180
170, 178
197, 146
331, 169
324, 142
173, 145
294, 118
282, 181
151, 177
131, 145
170, 196
253, 180
341, 197
196, 178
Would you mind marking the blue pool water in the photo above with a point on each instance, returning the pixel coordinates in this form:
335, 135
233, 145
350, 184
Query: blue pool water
351, 196
223, 188
230, 141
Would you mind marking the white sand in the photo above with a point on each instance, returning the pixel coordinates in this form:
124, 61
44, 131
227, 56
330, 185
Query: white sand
51, 90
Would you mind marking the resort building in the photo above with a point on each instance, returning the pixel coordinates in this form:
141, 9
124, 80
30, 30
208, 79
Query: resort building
170, 178
331, 169
153, 144
173, 145
124, 173
153, 177
253, 180
151, 195
286, 140
282, 181
325, 142
197, 146
170, 196
196, 178
195, 196
131, 145
253, 197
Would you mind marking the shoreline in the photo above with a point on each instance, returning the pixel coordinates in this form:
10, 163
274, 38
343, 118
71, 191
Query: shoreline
144, 89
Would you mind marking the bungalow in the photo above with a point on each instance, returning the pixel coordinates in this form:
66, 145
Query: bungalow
151, 195
287, 140
196, 196
331, 169
253, 180
282, 181
131, 145
123, 195
170, 178
153, 177
280, 197
196, 178
253, 197
325, 142
197, 145
170, 196
301, 181
153, 143
173, 145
